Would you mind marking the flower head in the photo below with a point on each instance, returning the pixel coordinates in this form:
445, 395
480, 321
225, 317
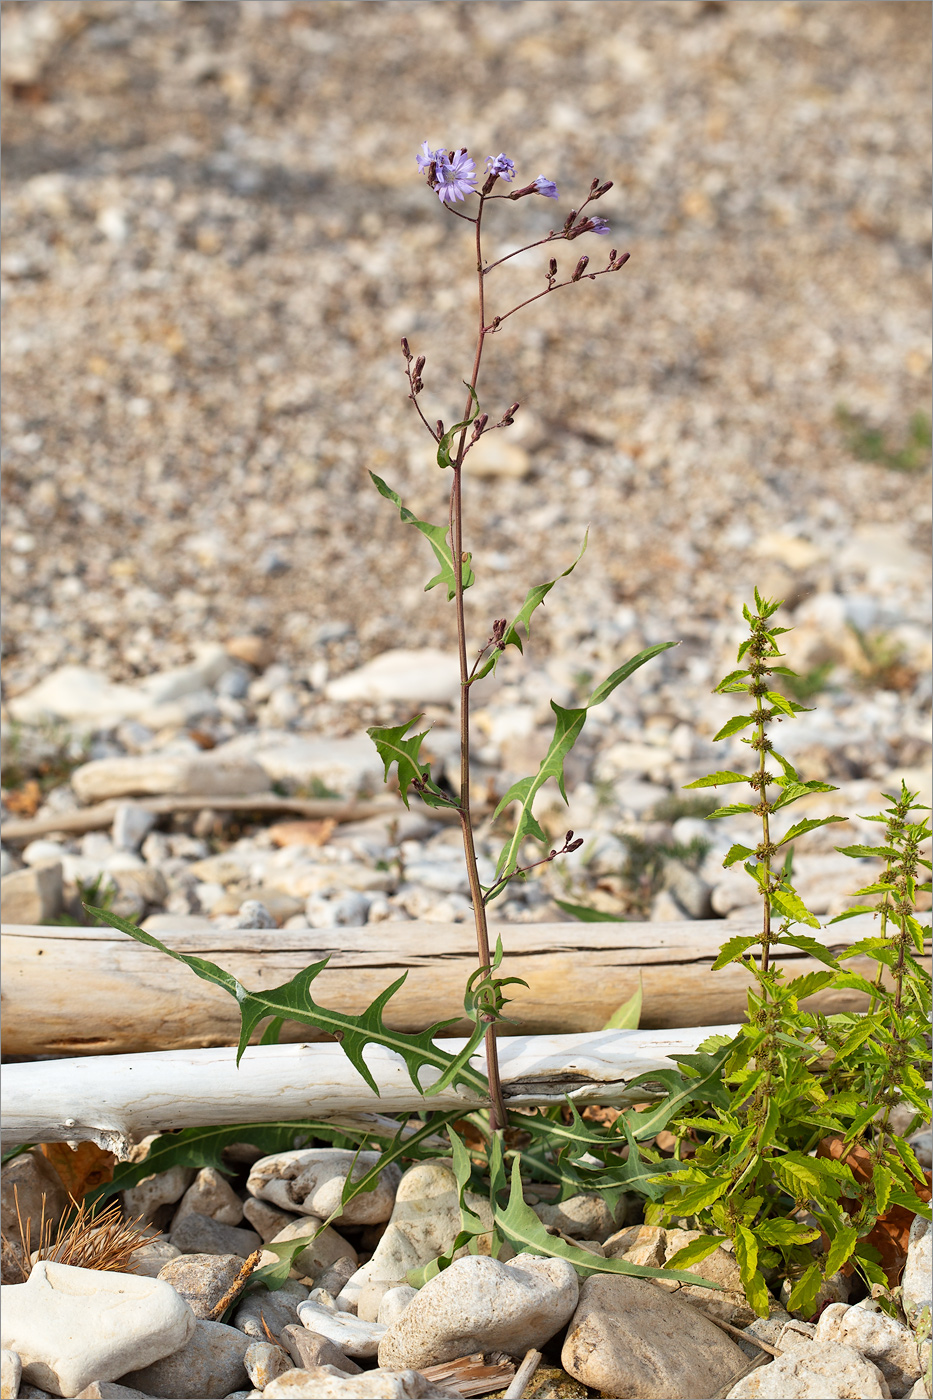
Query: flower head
546, 187
599, 226
426, 158
455, 175
501, 165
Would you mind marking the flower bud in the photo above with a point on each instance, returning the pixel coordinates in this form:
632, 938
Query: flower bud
603, 189
440, 428
405, 350
419, 366
620, 262
478, 427
552, 268
580, 269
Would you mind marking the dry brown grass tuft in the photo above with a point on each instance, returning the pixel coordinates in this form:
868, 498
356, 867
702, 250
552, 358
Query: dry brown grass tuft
87, 1241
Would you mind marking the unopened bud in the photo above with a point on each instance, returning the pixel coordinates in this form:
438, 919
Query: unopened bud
552, 268
405, 350
620, 262
603, 189
595, 185
478, 427
570, 218
440, 427
419, 366
575, 845
580, 269
613, 255
569, 836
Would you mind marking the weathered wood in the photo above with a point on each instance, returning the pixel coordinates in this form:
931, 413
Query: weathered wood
115, 1100
69, 991
98, 817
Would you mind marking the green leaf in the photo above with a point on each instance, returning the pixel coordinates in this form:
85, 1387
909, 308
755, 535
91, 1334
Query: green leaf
798, 1173
533, 599
810, 824
696, 1195
518, 1224
567, 727
586, 915
696, 1251
841, 1246
443, 447
875, 852
733, 725
392, 747
714, 779
882, 1181
293, 1002
851, 913
809, 983
789, 904
734, 948
792, 791
804, 1292
733, 810
746, 1256
627, 1016
436, 536
784, 1234
737, 853
705, 1084
274, 1276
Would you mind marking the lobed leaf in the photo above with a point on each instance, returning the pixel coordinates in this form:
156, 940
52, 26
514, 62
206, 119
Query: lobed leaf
789, 904
443, 447
808, 824
733, 725
714, 779
533, 599
436, 536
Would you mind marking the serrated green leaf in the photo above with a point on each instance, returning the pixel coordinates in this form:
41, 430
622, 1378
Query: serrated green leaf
696, 1251
697, 1195
533, 600
734, 809
882, 1182
436, 536
443, 447
293, 1001
733, 725
877, 852
730, 680
732, 949
392, 747
809, 824
794, 790
714, 779
567, 727
518, 1224
784, 1234
851, 913
736, 853
804, 1292
703, 1083
840, 1248
789, 904
586, 915
781, 702
275, 1276
809, 983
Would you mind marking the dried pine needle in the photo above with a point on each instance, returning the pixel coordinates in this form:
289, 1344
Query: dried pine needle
103, 1241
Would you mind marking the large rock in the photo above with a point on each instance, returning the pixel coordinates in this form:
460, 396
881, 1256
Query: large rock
210, 1194
181, 775
480, 1304
72, 1326
628, 1339
199, 1234
583, 1217
202, 1279
422, 677
346, 766
327, 1383
78, 694
208, 1367
814, 1371
323, 1249
352, 1335
311, 1180
729, 1305
33, 895
882, 1339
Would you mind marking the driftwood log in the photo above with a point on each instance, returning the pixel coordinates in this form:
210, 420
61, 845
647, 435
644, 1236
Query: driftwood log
115, 1100
68, 991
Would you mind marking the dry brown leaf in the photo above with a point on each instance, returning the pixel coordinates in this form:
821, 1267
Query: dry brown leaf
890, 1233
24, 801
302, 833
81, 1168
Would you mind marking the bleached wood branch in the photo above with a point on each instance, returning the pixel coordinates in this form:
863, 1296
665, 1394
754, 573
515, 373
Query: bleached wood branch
72, 991
115, 1100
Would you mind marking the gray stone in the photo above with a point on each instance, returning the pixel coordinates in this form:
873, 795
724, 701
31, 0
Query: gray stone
152, 1257
311, 1180
210, 1194
110, 1390
581, 1217
277, 1310
308, 1349
131, 825
628, 1339
336, 1277
814, 1371
267, 1220
72, 1326
264, 1362
32, 1184
33, 895
160, 1189
922, 1144
253, 914
206, 1368
199, 1234
324, 1250
730, 1305
327, 1383
480, 1304
351, 1334
393, 1303
916, 1280
882, 1339
202, 1279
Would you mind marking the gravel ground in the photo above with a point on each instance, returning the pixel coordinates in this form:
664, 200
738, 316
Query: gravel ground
215, 234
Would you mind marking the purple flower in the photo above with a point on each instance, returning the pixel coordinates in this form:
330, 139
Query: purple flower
546, 187
599, 226
501, 165
425, 158
455, 174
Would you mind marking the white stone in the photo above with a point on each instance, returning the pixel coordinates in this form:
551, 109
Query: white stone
131, 825
327, 1383
42, 851
394, 1302
352, 1335
480, 1304
916, 1280
153, 1256
33, 895
347, 766
350, 910
495, 456
11, 1370
166, 686
71, 1326
582, 1217
203, 774
160, 1189
310, 1181
882, 1339
210, 1194
323, 1249
264, 1361
424, 677
814, 1371
80, 695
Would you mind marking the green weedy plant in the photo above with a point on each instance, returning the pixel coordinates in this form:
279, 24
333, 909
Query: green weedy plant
763, 1171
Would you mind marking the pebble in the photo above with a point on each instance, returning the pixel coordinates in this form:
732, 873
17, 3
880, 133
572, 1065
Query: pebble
266, 1220
351, 1334
324, 1250
629, 1338
814, 1371
327, 1383
210, 1364
71, 1326
202, 1279
152, 1257
264, 1361
132, 823
160, 1189
278, 1309
32, 896
199, 1234
309, 1349
480, 1304
210, 1194
881, 1339
311, 1181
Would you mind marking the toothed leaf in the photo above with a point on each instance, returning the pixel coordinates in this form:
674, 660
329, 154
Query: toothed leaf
436, 536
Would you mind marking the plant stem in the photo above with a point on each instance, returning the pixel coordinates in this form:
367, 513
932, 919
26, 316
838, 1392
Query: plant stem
498, 1116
